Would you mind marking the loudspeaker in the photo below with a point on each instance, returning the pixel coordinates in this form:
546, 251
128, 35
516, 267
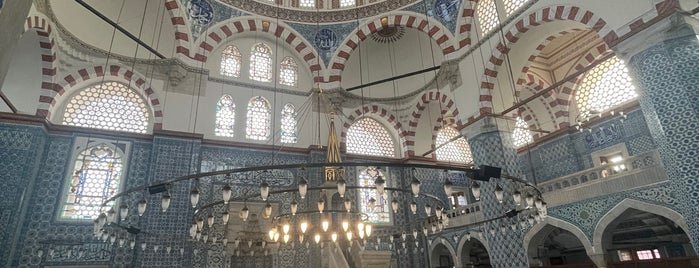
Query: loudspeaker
488, 172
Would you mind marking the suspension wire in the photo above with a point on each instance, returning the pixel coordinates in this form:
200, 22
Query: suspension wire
109, 53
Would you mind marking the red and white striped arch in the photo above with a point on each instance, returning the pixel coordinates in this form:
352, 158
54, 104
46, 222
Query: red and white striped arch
433, 28
448, 109
77, 80
42, 26
466, 22
534, 84
382, 114
222, 32
182, 30
539, 17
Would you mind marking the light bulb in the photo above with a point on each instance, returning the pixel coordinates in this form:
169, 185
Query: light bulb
360, 226
264, 190
194, 197
345, 225
294, 207
341, 186
428, 209
321, 205
317, 238
413, 207
123, 211
285, 228
142, 206
225, 216
367, 230
227, 191
271, 234
111, 215
325, 224
529, 200
165, 201
200, 223
268, 211
210, 220
304, 226
333, 236
349, 236
245, 212
300, 238
286, 238
303, 187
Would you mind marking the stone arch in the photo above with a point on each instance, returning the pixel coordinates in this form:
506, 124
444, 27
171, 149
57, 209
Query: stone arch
382, 114
545, 15
448, 109
462, 243
465, 23
433, 28
44, 30
534, 84
439, 240
626, 204
557, 223
181, 25
83, 77
221, 32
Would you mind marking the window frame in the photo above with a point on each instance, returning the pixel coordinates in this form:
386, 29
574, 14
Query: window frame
281, 123
270, 53
389, 183
240, 61
391, 135
86, 143
468, 152
248, 121
216, 113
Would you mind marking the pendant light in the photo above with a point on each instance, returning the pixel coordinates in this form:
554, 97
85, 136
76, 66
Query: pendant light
304, 226
415, 187
227, 192
476, 190
303, 187
210, 220
225, 216
200, 224
380, 184
529, 199
341, 186
268, 211
321, 205
394, 205
368, 229
345, 225
244, 213
142, 206
499, 192
123, 211
448, 185
194, 197
317, 238
428, 210
413, 207
294, 207
348, 204
264, 190
325, 224
165, 201
517, 197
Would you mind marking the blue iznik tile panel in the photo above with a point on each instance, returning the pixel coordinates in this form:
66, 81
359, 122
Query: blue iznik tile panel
586, 214
202, 14
20, 151
326, 38
668, 82
571, 153
445, 11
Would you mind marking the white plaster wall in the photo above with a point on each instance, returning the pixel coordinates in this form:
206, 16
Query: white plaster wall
22, 84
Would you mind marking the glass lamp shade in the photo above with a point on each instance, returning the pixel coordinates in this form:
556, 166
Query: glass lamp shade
348, 204
264, 190
210, 220
227, 191
438, 212
317, 238
413, 207
165, 201
394, 205
271, 234
142, 206
303, 188
360, 227
428, 210
529, 199
143, 246
499, 193
321, 205
123, 211
424, 231
304, 226
372, 203
415, 234
360, 233
415, 187
300, 238
224, 241
368, 229
264, 243
268, 211
349, 236
333, 236
111, 215
476, 190
286, 238
341, 186
345, 225
517, 197
538, 203
380, 184
200, 224
245, 213
236, 242
403, 236
468, 236
448, 185
276, 237
325, 224
294, 207
194, 197
249, 243
285, 228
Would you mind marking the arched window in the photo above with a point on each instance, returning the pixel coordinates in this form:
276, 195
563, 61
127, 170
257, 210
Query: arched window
604, 87
261, 63
259, 119
521, 135
96, 177
230, 61
487, 16
225, 116
111, 106
455, 151
378, 212
288, 134
288, 72
512, 5
368, 137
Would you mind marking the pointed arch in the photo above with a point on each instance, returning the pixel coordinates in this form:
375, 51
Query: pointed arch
261, 67
439, 240
462, 243
231, 61
455, 151
449, 111
288, 72
47, 40
558, 223
367, 136
626, 204
377, 112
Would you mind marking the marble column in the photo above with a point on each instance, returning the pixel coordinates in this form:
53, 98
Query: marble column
491, 144
663, 60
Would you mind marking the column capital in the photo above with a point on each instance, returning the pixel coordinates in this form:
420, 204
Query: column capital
679, 24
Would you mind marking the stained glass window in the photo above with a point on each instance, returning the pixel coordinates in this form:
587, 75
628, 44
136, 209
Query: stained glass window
288, 72
261, 63
368, 137
259, 119
521, 135
604, 87
379, 212
95, 177
487, 16
288, 134
307, 3
512, 5
347, 3
111, 106
230, 62
225, 116
455, 151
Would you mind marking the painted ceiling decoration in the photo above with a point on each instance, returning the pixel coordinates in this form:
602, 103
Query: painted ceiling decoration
325, 29
388, 34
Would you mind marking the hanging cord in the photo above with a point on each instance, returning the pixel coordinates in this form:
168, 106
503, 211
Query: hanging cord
140, 31
276, 67
109, 54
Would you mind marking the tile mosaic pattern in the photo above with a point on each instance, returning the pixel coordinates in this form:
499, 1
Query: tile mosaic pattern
668, 81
